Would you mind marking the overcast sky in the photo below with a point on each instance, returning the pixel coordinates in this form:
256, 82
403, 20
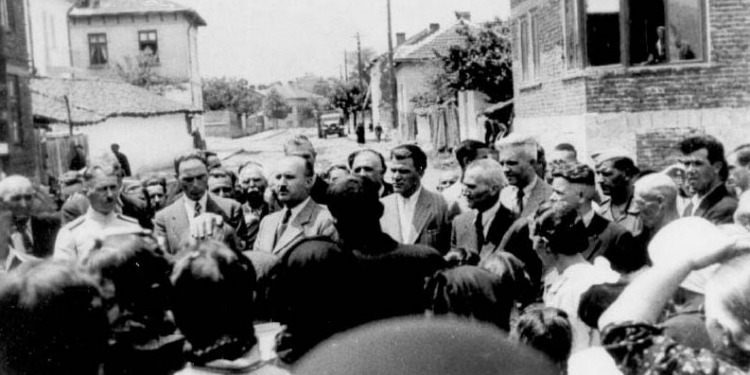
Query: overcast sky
270, 40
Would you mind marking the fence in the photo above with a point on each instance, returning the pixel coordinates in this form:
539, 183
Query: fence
59, 149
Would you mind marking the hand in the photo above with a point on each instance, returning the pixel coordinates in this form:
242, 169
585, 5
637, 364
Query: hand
207, 225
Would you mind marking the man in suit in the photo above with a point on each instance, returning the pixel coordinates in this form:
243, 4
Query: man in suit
617, 173
575, 184
414, 215
32, 234
706, 171
526, 190
301, 146
477, 233
184, 219
370, 164
301, 216
466, 152
129, 206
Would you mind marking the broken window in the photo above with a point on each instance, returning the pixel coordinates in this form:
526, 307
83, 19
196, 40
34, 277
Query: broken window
98, 49
685, 30
148, 43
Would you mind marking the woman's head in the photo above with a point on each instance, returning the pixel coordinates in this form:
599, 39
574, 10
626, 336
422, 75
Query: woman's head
547, 330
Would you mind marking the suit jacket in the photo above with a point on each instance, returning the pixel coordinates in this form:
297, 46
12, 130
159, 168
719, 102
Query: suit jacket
608, 239
172, 222
44, 230
464, 235
430, 220
313, 220
131, 207
517, 242
718, 206
319, 191
540, 193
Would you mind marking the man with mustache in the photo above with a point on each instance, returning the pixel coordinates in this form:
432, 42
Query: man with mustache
101, 187
252, 190
301, 217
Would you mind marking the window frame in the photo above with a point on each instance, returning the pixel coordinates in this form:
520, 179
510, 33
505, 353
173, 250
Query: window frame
147, 42
5, 16
534, 38
105, 47
15, 110
523, 29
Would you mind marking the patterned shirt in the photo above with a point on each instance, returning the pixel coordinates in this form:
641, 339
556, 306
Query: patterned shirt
642, 349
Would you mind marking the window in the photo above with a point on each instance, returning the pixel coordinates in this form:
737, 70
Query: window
14, 109
525, 47
4, 14
633, 32
98, 49
148, 43
535, 44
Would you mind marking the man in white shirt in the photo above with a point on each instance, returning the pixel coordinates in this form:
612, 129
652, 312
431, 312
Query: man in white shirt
526, 191
414, 215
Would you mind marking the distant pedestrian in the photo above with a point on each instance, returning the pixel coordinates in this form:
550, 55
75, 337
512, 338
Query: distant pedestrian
378, 132
78, 161
361, 134
124, 163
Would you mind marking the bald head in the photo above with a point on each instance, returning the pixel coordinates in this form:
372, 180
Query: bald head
17, 193
656, 198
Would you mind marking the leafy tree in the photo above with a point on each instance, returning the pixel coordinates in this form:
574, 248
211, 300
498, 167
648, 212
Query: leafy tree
275, 107
368, 54
233, 94
323, 88
140, 71
483, 63
349, 98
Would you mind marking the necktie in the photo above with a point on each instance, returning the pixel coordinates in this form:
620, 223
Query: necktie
282, 226
21, 228
519, 198
197, 212
688, 210
479, 226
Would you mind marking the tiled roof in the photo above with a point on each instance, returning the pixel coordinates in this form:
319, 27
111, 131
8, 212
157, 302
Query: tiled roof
94, 101
440, 42
113, 7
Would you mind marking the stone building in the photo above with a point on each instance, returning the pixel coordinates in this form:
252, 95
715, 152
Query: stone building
636, 75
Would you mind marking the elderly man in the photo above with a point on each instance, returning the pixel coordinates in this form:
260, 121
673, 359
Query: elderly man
301, 216
705, 173
414, 215
371, 164
101, 184
252, 185
32, 233
519, 158
739, 169
184, 219
302, 147
656, 201
575, 184
477, 233
616, 176
466, 152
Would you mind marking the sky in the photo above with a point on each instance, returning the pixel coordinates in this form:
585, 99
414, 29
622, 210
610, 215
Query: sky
278, 40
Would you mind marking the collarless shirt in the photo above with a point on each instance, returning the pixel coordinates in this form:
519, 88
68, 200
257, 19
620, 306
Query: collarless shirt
406, 209
509, 195
190, 206
488, 216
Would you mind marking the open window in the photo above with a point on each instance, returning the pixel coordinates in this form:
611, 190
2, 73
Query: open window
98, 54
148, 44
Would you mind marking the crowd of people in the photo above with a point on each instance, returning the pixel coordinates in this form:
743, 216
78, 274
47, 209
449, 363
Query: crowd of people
528, 262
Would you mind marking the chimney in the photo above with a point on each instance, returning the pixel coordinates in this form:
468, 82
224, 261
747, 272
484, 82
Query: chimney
400, 38
434, 27
463, 16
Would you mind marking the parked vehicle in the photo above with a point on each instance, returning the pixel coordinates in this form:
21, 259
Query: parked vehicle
332, 123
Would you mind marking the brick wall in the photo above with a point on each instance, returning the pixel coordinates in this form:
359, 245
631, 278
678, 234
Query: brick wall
657, 149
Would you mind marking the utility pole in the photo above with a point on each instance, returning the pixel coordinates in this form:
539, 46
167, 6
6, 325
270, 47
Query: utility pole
392, 70
346, 67
359, 60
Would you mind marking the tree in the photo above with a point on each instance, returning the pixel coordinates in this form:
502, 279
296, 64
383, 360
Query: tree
233, 94
323, 88
275, 107
348, 97
483, 63
139, 71
368, 54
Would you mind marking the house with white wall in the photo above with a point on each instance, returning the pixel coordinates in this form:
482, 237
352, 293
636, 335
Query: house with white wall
49, 42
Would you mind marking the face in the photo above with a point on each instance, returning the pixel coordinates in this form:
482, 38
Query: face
649, 208
213, 161
102, 192
478, 192
305, 152
20, 199
290, 183
447, 179
562, 156
739, 176
156, 192
700, 174
336, 174
193, 177
221, 187
517, 166
252, 181
564, 191
610, 178
368, 165
406, 178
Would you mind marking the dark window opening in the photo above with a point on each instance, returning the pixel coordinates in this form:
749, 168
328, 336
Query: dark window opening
603, 32
148, 44
98, 49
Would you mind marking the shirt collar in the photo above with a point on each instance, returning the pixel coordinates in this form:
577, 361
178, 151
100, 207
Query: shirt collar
298, 208
191, 203
587, 218
98, 216
488, 215
528, 188
413, 198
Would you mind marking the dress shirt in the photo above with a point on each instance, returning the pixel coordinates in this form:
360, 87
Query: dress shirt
296, 209
509, 195
190, 206
488, 216
587, 217
406, 208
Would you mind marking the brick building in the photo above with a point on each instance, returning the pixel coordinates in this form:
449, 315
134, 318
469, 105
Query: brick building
18, 140
631, 74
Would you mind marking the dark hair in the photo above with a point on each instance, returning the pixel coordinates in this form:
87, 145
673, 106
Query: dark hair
193, 155
353, 196
225, 173
330, 169
51, 321
547, 330
156, 181
712, 145
353, 155
743, 154
468, 149
213, 301
412, 152
567, 147
559, 224
513, 272
575, 173
624, 164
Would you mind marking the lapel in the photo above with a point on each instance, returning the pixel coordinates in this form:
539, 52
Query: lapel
422, 212
594, 231
295, 228
503, 219
536, 197
711, 199
213, 207
179, 222
390, 222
